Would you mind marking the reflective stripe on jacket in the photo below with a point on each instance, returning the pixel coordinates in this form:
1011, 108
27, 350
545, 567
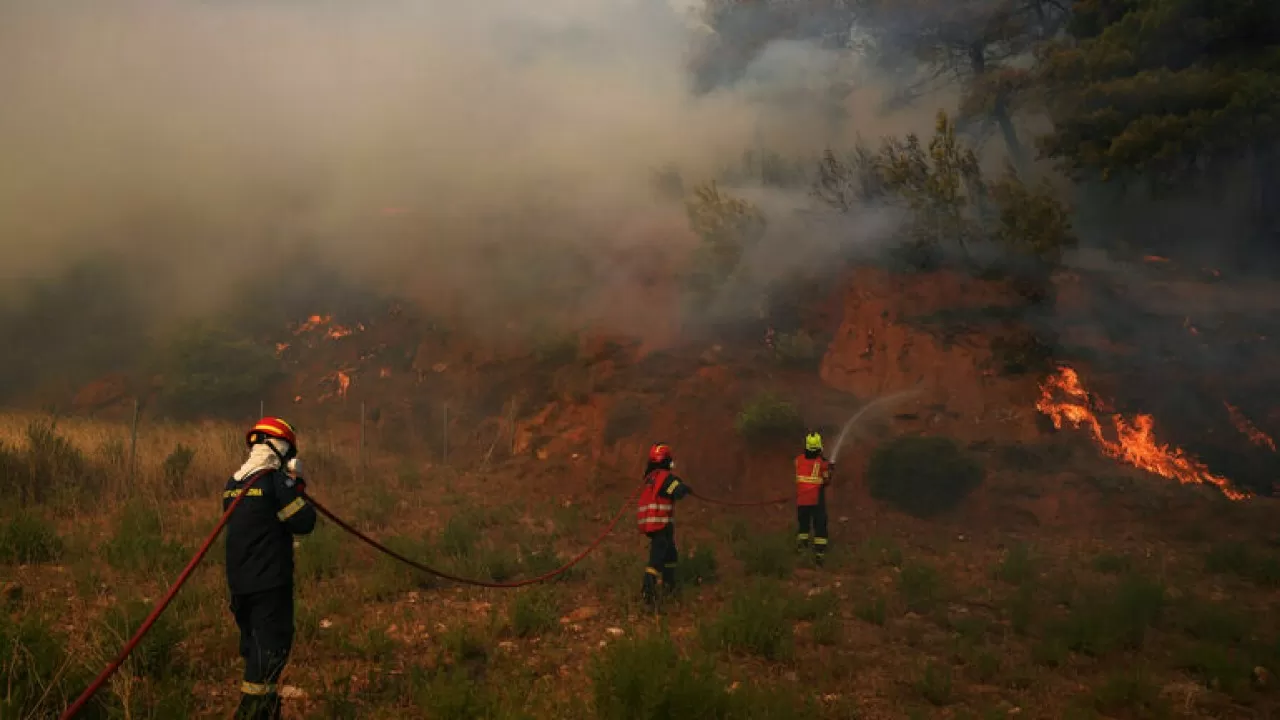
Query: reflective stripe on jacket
656, 504
811, 475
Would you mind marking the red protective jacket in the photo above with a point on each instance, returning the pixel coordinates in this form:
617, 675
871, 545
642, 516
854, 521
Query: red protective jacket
658, 499
811, 475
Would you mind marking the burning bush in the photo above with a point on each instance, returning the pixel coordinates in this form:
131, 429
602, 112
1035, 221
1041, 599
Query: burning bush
923, 476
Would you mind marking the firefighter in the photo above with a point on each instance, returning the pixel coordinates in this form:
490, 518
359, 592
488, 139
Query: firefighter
260, 560
662, 489
813, 474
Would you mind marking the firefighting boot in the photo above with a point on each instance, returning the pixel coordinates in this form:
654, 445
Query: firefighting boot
670, 585
819, 551
649, 591
258, 707
802, 542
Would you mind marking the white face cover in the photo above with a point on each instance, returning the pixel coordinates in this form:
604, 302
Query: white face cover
294, 467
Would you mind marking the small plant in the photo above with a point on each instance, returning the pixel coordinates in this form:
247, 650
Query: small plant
176, 465
872, 608
797, 350
154, 657
767, 417
699, 568
1022, 609
757, 621
1217, 667
451, 694
770, 555
1017, 567
138, 544
27, 539
33, 665
534, 612
936, 685
646, 678
460, 535
1130, 691
1260, 568
920, 586
880, 552
922, 476
1114, 620
826, 629
320, 554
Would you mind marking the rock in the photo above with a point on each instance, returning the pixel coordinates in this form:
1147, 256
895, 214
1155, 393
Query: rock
616, 632
325, 624
289, 692
844, 518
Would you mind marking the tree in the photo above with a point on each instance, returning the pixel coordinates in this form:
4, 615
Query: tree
1168, 90
210, 371
981, 45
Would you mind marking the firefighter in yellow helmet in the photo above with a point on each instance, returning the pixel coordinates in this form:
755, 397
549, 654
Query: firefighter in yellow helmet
813, 474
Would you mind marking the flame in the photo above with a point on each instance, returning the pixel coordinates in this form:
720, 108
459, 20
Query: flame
1135, 442
280, 348
384, 373
312, 323
1154, 259
344, 382
1248, 429
338, 331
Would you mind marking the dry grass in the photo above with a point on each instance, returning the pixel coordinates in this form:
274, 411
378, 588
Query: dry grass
905, 622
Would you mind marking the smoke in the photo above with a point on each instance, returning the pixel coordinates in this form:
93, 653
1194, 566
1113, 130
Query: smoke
488, 158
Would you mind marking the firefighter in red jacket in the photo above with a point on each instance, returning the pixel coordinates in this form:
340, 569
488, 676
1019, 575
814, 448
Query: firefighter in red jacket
260, 537
662, 489
813, 474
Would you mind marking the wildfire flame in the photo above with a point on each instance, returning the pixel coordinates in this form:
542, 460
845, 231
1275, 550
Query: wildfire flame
338, 331
1065, 400
280, 348
1248, 429
312, 323
344, 382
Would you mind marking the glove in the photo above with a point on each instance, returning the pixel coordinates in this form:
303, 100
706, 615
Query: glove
295, 481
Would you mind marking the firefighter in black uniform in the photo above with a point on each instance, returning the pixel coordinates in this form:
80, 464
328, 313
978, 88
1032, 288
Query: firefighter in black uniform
260, 560
656, 517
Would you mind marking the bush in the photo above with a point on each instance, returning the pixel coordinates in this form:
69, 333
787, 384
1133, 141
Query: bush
920, 586
770, 555
1235, 558
320, 554
758, 621
1113, 620
767, 417
452, 694
699, 568
154, 657
798, 350
176, 465
534, 612
936, 685
647, 679
460, 535
26, 539
922, 476
33, 664
1017, 567
138, 544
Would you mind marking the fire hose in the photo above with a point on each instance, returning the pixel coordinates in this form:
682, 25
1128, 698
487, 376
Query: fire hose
102, 678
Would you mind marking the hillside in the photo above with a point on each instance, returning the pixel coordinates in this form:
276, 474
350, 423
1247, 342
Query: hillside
1069, 584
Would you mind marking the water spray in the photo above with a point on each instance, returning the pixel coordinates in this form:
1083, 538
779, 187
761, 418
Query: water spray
835, 454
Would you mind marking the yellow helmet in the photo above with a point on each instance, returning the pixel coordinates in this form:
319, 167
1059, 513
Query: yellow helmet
813, 442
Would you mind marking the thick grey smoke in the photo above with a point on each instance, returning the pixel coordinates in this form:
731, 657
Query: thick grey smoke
449, 150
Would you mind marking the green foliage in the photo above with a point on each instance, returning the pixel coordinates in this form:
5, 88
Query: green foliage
936, 685
699, 567
534, 612
1111, 620
49, 466
646, 678
1235, 558
320, 554
797, 350
768, 417
1133, 92
210, 370
766, 555
920, 586
176, 465
922, 476
461, 533
758, 620
451, 693
26, 539
1132, 691
1018, 566
138, 543
728, 227
155, 656
871, 607
34, 669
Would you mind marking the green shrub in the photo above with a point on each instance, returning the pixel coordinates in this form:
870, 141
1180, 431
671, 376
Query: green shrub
1017, 567
321, 554
534, 612
390, 577
176, 465
154, 657
798, 350
211, 370
758, 620
1112, 620
1131, 691
767, 417
699, 567
138, 543
34, 670
27, 539
1217, 667
767, 555
1260, 568
936, 685
49, 464
451, 693
871, 607
920, 587
922, 476
460, 535
646, 678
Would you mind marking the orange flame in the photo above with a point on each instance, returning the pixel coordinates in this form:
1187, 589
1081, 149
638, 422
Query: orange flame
280, 348
1248, 429
337, 331
312, 323
1064, 399
344, 382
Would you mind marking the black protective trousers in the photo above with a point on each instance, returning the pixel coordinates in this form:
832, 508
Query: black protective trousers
813, 518
663, 558
265, 620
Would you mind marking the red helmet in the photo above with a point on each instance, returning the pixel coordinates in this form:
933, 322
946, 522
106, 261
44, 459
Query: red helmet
659, 453
271, 427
